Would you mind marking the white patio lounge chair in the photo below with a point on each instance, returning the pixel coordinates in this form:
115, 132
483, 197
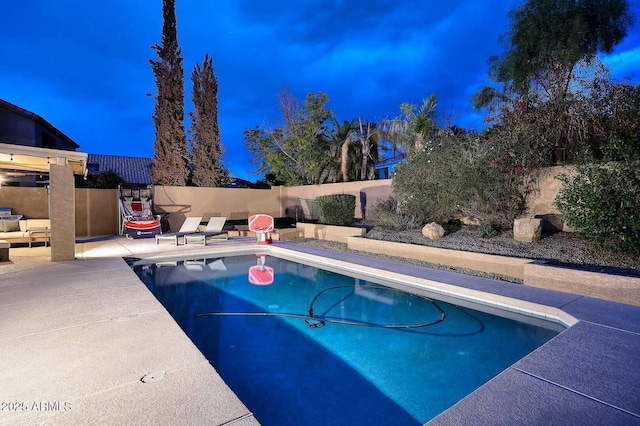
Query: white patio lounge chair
213, 230
189, 226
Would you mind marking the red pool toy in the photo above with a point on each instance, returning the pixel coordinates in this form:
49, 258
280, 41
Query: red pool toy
261, 274
261, 224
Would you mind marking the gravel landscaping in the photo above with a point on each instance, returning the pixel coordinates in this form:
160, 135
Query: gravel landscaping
560, 247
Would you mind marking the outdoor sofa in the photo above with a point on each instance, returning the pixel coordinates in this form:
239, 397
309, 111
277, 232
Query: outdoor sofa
25, 230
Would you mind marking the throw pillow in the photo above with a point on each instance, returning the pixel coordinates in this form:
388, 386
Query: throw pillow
11, 225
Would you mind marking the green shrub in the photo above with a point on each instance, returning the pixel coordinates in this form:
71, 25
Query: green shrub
601, 202
385, 214
336, 209
459, 175
104, 180
487, 230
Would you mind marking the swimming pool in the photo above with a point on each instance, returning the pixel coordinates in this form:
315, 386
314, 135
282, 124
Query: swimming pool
302, 345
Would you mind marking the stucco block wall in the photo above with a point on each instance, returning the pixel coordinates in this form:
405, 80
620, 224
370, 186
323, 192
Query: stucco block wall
546, 187
97, 212
97, 209
30, 202
232, 203
367, 194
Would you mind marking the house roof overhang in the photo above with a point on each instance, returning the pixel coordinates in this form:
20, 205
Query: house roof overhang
19, 157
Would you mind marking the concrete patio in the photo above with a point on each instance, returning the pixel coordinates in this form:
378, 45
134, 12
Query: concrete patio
84, 342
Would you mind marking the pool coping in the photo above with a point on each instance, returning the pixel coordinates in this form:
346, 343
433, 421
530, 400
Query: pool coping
446, 285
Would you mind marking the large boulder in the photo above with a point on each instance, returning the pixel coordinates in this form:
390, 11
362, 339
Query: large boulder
433, 231
527, 229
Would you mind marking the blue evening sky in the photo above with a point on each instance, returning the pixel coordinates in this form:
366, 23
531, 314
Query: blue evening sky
83, 65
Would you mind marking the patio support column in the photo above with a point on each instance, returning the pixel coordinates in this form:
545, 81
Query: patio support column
62, 211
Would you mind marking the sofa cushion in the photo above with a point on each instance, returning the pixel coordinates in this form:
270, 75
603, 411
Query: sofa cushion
38, 223
9, 218
10, 225
10, 236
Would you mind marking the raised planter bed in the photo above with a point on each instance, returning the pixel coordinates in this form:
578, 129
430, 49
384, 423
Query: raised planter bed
502, 265
531, 272
320, 231
577, 281
279, 234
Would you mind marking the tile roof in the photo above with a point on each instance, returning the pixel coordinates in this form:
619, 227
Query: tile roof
135, 170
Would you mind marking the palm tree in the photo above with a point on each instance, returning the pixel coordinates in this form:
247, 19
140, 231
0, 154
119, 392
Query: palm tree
351, 147
338, 142
412, 128
368, 136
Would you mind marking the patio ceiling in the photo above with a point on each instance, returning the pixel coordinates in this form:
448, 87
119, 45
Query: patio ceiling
19, 157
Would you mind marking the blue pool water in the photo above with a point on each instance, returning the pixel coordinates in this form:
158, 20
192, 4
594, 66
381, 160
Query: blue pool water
361, 358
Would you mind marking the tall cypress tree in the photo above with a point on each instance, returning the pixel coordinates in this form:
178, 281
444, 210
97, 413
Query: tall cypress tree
170, 145
206, 149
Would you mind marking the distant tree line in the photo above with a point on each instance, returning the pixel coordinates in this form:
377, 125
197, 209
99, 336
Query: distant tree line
310, 146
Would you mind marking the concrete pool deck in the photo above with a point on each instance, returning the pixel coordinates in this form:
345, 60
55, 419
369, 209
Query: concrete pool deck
77, 338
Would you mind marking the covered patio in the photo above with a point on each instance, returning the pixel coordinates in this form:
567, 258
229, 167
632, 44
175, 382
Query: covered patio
61, 165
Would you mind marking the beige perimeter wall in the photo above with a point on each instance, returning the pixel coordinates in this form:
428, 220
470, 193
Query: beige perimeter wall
546, 186
240, 203
232, 203
33, 203
97, 209
367, 194
97, 212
